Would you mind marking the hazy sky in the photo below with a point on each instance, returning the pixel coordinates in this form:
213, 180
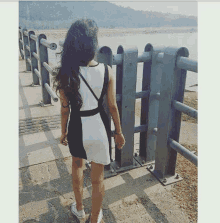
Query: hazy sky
185, 8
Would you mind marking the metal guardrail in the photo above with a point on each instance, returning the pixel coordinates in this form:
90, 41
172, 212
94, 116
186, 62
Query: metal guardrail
22, 52
161, 106
187, 64
37, 73
143, 57
32, 55
33, 37
29, 61
51, 92
28, 48
185, 109
182, 62
47, 44
49, 69
183, 151
35, 55
26, 33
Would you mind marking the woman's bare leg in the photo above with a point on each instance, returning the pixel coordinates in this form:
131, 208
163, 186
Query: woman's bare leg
77, 176
98, 189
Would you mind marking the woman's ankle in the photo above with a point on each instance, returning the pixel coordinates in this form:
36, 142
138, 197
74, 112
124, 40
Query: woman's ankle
95, 217
79, 207
93, 220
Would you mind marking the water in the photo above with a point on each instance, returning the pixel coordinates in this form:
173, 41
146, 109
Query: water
188, 40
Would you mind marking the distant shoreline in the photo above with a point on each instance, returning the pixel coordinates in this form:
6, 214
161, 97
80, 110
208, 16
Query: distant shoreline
148, 30
60, 33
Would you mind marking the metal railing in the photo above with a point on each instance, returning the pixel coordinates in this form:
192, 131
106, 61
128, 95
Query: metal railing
34, 49
163, 86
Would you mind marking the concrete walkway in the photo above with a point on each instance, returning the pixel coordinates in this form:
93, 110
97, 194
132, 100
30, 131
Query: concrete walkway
45, 185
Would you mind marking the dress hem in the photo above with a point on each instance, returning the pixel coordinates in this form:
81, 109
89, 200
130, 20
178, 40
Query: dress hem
91, 160
98, 162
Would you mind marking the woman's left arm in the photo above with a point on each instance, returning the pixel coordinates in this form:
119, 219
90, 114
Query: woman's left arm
65, 110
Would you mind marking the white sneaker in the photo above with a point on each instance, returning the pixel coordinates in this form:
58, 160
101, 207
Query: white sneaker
99, 217
79, 214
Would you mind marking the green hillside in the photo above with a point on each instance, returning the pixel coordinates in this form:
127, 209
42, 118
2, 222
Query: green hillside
51, 14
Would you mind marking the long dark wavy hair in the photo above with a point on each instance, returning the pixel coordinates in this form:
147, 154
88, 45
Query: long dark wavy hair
79, 49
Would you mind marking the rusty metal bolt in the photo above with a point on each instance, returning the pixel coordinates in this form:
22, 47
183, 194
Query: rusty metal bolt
164, 180
177, 176
41, 103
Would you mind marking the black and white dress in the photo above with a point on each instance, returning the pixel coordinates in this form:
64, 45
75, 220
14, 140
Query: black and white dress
89, 132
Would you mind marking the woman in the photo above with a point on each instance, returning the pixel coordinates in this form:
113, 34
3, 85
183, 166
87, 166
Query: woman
82, 84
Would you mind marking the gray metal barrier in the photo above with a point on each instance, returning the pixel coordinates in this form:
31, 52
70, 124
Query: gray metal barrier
174, 67
21, 43
163, 85
34, 49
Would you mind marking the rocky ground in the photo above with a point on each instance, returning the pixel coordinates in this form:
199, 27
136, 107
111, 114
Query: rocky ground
186, 191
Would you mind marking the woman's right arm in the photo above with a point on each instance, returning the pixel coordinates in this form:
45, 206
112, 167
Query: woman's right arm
113, 109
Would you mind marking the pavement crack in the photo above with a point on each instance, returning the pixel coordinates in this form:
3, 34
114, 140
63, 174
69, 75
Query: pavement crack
56, 214
51, 188
48, 185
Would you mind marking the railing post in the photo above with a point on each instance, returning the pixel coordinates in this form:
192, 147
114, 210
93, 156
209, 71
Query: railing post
145, 106
20, 44
155, 81
104, 55
45, 78
172, 88
26, 52
34, 61
126, 86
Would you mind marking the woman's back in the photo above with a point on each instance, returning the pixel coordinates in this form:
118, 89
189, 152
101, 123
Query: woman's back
94, 75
